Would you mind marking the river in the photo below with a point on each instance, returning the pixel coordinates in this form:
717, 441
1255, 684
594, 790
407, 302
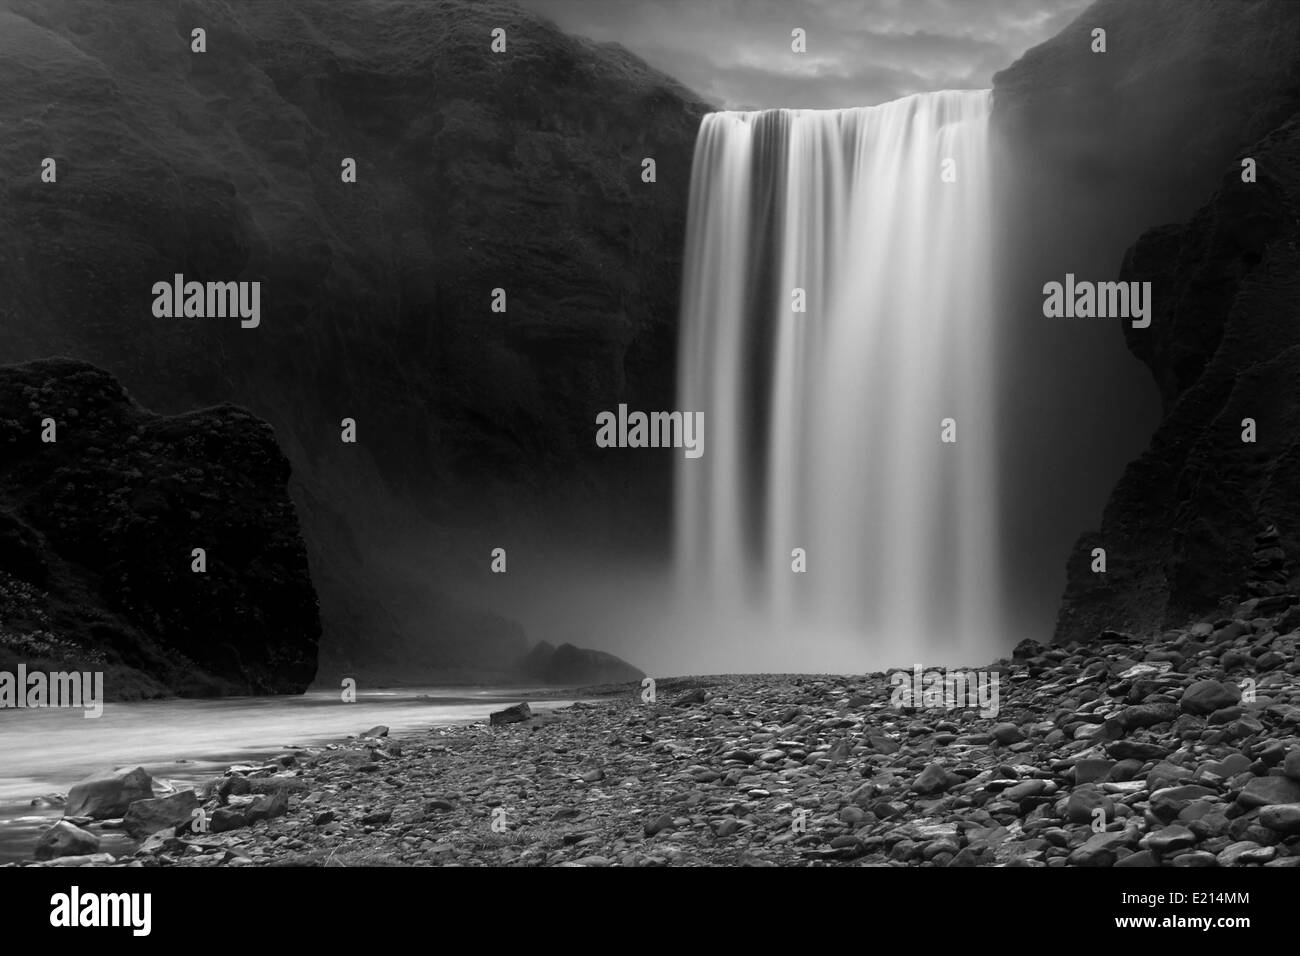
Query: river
183, 742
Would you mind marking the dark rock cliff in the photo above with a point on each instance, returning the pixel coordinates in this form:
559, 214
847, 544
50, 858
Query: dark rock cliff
1092, 150
475, 171
98, 528
1203, 519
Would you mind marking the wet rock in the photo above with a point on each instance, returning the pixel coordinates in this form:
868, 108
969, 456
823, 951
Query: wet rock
697, 696
511, 715
1027, 649
267, 806
1136, 750
1243, 852
63, 839
225, 819
1006, 734
1100, 849
234, 785
1291, 765
144, 817
1207, 696
1025, 790
1139, 716
1168, 802
658, 825
1083, 802
1266, 791
1281, 817
1169, 840
935, 779
109, 793
1092, 769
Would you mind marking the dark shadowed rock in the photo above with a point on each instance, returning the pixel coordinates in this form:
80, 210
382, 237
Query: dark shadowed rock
511, 715
1223, 346
117, 506
1082, 143
225, 819
1026, 649
1135, 750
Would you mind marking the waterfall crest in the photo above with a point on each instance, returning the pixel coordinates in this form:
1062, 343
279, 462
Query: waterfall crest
824, 426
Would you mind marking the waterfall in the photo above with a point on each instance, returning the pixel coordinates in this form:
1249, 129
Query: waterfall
824, 426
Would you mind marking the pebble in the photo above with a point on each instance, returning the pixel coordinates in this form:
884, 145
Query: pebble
816, 770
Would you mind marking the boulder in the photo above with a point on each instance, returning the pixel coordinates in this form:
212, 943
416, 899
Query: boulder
65, 839
1266, 791
109, 794
511, 715
144, 817
1208, 696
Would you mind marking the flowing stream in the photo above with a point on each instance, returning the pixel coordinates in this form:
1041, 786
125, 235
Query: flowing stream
184, 742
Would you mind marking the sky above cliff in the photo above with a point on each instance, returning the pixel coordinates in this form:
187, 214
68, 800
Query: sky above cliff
736, 53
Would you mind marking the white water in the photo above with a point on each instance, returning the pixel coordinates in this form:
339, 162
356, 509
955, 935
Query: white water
823, 427
183, 742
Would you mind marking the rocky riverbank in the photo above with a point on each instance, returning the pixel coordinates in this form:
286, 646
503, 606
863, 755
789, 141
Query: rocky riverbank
1182, 751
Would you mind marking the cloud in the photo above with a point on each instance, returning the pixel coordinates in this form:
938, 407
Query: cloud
736, 53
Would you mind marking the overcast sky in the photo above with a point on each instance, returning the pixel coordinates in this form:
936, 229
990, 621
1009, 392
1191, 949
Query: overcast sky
737, 54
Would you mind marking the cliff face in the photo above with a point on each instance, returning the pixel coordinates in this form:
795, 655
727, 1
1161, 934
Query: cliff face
1203, 519
1092, 150
98, 529
475, 171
